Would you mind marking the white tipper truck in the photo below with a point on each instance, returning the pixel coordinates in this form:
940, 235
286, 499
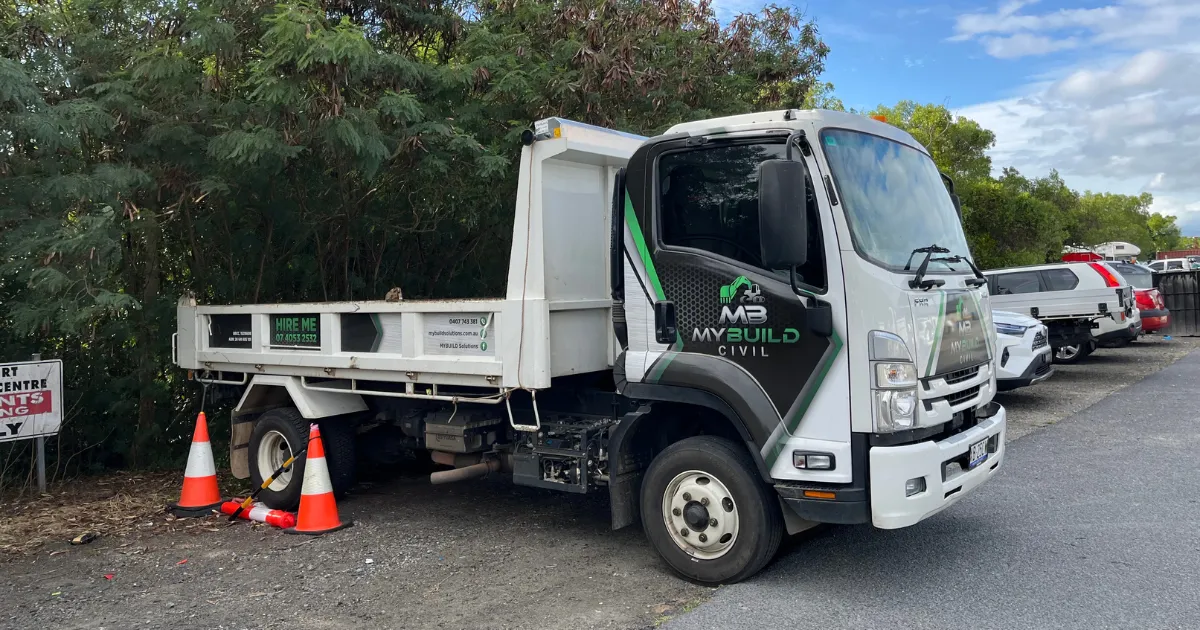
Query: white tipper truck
743, 327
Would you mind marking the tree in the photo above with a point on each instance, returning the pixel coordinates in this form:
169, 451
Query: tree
1164, 233
1006, 226
301, 150
958, 145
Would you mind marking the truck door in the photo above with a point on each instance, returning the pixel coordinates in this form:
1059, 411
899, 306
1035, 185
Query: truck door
692, 254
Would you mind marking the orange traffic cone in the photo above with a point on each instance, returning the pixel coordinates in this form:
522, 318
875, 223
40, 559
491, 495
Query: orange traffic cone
200, 494
318, 510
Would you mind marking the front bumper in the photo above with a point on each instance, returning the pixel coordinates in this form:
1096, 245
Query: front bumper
1039, 369
943, 466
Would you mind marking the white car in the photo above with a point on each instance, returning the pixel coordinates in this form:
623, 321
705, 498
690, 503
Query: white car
1084, 304
1024, 355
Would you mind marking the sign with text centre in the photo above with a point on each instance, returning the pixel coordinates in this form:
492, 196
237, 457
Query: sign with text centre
30, 399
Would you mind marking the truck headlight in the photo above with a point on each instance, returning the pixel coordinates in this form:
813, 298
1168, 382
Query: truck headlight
895, 410
895, 375
894, 383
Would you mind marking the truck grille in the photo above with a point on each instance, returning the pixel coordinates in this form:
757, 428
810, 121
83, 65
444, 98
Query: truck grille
963, 396
1039, 340
961, 375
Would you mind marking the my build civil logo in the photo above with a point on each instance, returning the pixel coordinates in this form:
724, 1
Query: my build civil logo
740, 330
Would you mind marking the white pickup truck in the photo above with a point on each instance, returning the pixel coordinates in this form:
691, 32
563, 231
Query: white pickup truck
746, 326
1081, 304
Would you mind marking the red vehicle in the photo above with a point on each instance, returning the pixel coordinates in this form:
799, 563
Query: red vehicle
1155, 316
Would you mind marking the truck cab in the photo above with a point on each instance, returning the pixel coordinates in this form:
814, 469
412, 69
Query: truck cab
842, 320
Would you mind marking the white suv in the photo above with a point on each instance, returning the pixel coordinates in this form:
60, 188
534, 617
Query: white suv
1024, 351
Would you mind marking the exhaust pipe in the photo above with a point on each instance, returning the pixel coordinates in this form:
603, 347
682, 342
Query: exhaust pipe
475, 471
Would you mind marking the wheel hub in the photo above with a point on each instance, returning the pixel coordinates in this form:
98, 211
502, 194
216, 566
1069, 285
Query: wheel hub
696, 516
273, 451
700, 514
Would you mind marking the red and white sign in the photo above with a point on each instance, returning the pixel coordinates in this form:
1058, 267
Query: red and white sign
30, 399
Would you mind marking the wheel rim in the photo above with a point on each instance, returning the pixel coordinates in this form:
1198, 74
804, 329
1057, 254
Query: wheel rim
273, 450
1066, 353
699, 504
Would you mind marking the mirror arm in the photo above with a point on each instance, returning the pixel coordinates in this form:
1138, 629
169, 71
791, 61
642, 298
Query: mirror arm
791, 141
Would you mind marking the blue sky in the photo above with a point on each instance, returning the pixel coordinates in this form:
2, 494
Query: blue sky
1106, 91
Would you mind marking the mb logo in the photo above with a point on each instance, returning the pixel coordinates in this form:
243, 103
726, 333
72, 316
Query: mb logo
747, 296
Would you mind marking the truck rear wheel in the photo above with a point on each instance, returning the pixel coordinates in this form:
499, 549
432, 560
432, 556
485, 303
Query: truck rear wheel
280, 433
707, 512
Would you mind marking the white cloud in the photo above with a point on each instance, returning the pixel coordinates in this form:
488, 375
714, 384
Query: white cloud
1127, 125
1012, 31
1125, 119
1025, 44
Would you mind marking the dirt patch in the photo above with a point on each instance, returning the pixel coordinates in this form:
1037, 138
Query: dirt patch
475, 555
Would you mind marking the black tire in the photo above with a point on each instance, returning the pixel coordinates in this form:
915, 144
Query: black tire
761, 523
338, 435
293, 428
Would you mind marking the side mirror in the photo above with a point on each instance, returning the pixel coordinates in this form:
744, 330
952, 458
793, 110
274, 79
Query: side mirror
953, 196
957, 204
782, 218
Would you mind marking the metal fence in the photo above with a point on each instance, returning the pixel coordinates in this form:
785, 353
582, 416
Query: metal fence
1181, 293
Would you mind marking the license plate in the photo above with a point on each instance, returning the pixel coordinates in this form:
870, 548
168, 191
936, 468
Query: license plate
978, 454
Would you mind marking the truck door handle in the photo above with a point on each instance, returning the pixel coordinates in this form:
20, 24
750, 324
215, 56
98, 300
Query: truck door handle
665, 330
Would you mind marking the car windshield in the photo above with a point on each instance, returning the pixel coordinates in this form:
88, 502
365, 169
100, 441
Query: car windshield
1139, 277
894, 200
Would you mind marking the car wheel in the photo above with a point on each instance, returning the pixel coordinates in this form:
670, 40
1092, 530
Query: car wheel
708, 513
1066, 355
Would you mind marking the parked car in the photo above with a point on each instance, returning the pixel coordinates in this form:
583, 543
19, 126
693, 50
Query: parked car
1149, 300
1175, 264
1082, 304
1024, 355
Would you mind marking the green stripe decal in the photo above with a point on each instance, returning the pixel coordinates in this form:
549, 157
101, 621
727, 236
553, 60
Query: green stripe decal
640, 241
660, 365
937, 337
793, 422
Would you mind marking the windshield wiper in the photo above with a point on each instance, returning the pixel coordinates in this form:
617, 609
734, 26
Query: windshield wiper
919, 281
977, 281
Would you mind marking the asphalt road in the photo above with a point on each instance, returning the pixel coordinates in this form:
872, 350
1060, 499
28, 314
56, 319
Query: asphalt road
1092, 523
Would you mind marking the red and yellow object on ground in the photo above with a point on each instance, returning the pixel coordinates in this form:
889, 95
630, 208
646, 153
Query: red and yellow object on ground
318, 509
200, 495
261, 514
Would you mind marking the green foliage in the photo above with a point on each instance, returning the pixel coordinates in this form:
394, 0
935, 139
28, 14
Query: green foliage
957, 144
1006, 226
264, 152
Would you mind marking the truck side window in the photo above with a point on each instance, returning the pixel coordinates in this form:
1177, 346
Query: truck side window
1019, 282
708, 200
1060, 279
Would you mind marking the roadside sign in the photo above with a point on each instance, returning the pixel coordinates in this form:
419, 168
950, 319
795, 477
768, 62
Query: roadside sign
30, 399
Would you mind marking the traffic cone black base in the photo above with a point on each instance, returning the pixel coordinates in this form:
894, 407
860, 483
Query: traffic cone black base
179, 511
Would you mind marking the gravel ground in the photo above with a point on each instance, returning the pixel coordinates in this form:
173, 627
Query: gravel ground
473, 555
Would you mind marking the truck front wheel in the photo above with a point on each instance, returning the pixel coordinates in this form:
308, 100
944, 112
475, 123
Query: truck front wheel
281, 433
707, 512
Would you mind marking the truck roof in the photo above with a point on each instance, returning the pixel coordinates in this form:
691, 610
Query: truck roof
789, 119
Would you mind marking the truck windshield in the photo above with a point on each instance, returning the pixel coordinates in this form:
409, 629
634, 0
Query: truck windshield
894, 199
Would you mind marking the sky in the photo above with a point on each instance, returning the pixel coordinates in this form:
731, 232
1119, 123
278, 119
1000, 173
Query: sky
1105, 91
